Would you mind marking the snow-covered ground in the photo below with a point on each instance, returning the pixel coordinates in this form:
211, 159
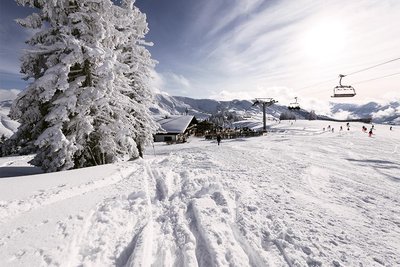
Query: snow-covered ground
298, 196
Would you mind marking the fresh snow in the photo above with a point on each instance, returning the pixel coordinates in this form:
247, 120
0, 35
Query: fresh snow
7, 125
298, 196
174, 123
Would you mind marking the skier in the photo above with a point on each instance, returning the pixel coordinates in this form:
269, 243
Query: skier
370, 133
218, 139
341, 128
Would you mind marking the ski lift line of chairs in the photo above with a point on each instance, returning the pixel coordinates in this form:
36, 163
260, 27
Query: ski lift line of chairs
294, 105
343, 90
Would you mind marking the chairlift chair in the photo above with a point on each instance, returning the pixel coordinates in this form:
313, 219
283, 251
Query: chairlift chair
343, 90
294, 106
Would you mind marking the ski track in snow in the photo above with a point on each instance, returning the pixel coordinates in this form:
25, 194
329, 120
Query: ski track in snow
10, 209
248, 202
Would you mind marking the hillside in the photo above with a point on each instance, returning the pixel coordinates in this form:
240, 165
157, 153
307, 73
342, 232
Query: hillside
298, 196
204, 108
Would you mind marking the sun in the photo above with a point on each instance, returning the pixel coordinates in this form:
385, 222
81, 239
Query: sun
325, 40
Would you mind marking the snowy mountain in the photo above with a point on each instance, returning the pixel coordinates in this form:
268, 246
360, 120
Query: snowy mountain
380, 113
203, 108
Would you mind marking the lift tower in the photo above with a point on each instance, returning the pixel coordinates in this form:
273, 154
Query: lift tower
265, 102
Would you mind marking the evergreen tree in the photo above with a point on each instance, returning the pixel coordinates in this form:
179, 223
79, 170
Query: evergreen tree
312, 115
88, 100
3, 138
287, 115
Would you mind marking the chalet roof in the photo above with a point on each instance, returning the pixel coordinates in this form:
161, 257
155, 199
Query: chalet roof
175, 123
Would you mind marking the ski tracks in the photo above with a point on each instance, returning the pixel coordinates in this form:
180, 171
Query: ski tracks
13, 208
110, 232
185, 210
177, 214
197, 216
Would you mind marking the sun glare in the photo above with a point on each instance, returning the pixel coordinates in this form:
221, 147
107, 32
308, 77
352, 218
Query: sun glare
325, 40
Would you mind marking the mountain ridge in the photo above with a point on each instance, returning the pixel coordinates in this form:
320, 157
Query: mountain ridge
203, 108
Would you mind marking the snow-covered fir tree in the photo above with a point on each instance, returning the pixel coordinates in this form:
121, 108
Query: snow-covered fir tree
87, 102
287, 115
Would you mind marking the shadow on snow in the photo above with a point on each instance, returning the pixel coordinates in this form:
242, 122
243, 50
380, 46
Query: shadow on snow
6, 172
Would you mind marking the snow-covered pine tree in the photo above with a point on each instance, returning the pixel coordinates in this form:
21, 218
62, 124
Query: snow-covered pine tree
312, 115
80, 109
132, 26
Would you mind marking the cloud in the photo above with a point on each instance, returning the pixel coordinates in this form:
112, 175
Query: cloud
343, 115
226, 95
294, 44
156, 81
179, 79
235, 10
386, 113
10, 94
284, 95
175, 84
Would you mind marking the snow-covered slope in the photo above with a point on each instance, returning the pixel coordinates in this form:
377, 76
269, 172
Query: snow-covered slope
298, 196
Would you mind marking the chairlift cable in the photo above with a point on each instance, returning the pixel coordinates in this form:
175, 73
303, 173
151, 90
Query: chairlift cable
319, 83
354, 72
377, 78
374, 66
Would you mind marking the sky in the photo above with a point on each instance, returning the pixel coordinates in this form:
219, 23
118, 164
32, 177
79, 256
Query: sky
244, 49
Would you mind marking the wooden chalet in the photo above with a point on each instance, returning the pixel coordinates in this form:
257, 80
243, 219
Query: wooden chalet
175, 128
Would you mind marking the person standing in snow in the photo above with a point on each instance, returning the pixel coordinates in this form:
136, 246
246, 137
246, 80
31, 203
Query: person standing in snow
370, 133
218, 139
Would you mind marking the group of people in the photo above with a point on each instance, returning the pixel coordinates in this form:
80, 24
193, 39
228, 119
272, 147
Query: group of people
370, 133
364, 129
330, 129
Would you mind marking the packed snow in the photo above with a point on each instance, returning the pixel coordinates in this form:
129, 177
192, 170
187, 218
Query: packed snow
298, 196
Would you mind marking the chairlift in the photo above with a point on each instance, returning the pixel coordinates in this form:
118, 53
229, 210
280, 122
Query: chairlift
294, 105
343, 90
